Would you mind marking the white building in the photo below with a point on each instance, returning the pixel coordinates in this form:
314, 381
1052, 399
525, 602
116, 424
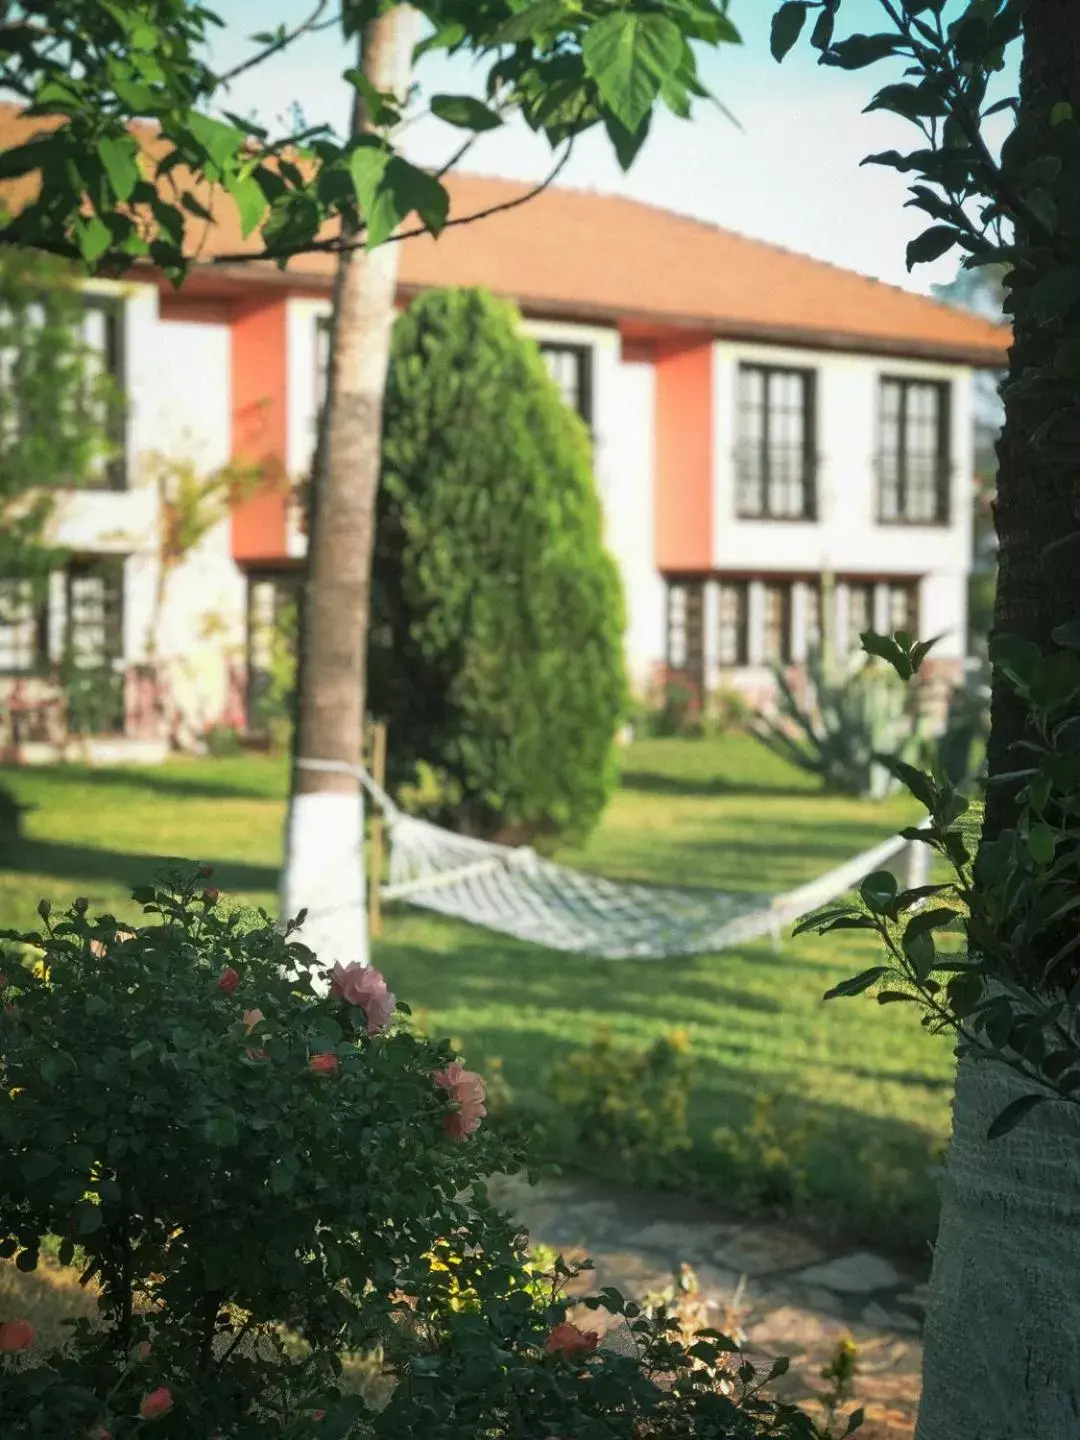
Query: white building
760, 419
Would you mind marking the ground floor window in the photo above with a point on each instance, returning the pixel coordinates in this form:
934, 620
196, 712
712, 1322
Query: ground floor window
23, 627
726, 622
272, 613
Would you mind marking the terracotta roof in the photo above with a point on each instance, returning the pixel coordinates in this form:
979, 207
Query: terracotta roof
584, 255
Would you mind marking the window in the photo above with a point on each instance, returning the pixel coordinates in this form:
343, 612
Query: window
904, 607
272, 601
812, 616
775, 458
686, 628
94, 598
732, 628
322, 359
913, 452
23, 628
860, 613
570, 367
777, 623
103, 334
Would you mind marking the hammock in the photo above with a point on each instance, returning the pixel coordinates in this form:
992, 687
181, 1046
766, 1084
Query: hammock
516, 892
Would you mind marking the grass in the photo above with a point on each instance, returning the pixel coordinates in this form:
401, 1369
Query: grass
870, 1086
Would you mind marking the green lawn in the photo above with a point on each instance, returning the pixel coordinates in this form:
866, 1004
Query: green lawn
872, 1087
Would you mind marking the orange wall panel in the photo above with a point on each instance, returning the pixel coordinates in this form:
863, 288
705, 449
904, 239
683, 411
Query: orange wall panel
260, 427
684, 454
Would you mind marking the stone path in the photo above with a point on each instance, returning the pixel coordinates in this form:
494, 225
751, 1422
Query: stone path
766, 1285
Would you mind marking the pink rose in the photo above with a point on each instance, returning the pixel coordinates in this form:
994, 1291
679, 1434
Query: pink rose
467, 1091
229, 980
567, 1340
158, 1403
99, 1433
364, 987
211, 895
324, 1064
318, 1415
15, 1337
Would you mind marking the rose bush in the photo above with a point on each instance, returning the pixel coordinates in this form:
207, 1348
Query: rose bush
262, 1180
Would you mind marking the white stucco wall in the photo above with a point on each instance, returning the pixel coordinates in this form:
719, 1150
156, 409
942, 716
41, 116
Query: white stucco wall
178, 383
846, 537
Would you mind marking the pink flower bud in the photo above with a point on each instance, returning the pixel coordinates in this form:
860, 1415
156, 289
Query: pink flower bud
324, 1064
228, 981
15, 1337
567, 1340
211, 895
158, 1403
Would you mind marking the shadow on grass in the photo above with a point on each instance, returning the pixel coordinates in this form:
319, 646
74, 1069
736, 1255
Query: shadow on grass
76, 863
652, 782
233, 782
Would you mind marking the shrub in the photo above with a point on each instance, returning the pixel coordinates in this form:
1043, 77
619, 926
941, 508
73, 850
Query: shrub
629, 1105
844, 720
497, 617
261, 1179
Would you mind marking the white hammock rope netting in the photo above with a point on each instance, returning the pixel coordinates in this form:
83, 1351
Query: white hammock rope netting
516, 892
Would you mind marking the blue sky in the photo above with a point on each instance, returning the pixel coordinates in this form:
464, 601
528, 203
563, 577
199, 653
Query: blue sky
790, 175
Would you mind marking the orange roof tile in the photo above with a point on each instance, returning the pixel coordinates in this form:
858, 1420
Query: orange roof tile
584, 255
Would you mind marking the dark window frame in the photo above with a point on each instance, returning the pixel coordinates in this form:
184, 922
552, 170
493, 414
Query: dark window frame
115, 476
744, 510
786, 590
283, 579
584, 356
740, 589
40, 618
113, 568
905, 384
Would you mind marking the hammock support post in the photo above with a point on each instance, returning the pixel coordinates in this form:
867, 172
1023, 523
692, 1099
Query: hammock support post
378, 828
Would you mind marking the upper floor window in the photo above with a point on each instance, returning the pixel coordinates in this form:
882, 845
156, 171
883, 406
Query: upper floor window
272, 609
913, 451
775, 458
322, 359
570, 366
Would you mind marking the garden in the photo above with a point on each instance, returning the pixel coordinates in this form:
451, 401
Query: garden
781, 1091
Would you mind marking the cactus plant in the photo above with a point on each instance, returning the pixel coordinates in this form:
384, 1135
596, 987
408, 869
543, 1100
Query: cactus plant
846, 717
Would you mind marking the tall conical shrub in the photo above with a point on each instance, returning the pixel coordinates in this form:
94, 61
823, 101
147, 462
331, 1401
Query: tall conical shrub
496, 646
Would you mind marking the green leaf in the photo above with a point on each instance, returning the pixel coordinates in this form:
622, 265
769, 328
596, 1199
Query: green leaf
220, 141
787, 26
1042, 843
405, 187
885, 648
879, 891
88, 1218
910, 101
626, 146
1013, 1114
931, 244
629, 56
382, 109
540, 16
1067, 635
119, 156
895, 997
857, 984
464, 111
93, 238
250, 203
1061, 113
367, 167
858, 51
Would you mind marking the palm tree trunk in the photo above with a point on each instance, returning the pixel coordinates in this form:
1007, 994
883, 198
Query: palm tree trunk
324, 838
1002, 1358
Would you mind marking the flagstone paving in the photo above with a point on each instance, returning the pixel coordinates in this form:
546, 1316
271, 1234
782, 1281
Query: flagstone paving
772, 1288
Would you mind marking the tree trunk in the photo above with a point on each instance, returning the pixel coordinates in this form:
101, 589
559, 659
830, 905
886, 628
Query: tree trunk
324, 838
1002, 1357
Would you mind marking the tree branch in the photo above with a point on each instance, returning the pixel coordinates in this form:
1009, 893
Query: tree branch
337, 247
282, 43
